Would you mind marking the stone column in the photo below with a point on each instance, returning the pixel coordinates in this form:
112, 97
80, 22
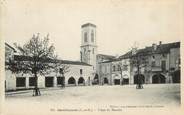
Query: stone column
89, 81
27, 82
151, 75
55, 81
111, 81
102, 80
76, 81
121, 80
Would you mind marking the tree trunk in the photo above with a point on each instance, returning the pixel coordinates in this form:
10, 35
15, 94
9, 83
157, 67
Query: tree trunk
36, 91
121, 79
139, 85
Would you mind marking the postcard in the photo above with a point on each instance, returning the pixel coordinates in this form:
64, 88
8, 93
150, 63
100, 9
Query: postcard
91, 57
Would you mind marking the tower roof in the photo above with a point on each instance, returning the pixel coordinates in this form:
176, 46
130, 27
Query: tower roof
88, 24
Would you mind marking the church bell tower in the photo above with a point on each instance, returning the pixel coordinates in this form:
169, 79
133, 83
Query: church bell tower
88, 44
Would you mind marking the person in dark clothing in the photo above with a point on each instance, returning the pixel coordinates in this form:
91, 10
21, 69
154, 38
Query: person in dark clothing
140, 82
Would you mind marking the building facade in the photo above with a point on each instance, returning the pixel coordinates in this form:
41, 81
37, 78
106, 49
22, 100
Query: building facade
78, 74
159, 63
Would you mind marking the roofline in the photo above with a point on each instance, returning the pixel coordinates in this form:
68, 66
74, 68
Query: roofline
10, 47
106, 55
121, 57
69, 62
82, 63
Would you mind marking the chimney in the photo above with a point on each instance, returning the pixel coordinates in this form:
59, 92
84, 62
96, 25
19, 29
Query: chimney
160, 42
154, 46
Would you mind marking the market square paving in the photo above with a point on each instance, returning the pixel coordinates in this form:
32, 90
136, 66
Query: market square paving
162, 95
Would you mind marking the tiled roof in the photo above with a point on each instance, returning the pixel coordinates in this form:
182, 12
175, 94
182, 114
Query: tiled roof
106, 56
107, 61
161, 49
113, 60
27, 58
125, 56
74, 62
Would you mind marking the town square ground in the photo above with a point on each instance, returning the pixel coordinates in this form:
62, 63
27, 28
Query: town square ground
95, 98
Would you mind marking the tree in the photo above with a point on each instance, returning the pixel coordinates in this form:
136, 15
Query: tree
61, 69
122, 67
37, 57
139, 60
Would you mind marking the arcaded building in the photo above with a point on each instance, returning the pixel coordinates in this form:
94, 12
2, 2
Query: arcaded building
79, 73
161, 65
158, 64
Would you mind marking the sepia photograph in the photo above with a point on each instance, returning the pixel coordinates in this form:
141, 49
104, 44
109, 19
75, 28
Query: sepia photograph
91, 57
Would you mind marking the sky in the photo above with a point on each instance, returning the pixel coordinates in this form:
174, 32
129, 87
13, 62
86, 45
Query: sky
120, 23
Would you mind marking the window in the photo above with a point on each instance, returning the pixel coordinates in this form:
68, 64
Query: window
153, 64
164, 55
5, 84
80, 71
32, 81
92, 36
102, 59
179, 61
125, 62
114, 68
85, 37
93, 50
163, 65
125, 67
20, 82
119, 67
61, 70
